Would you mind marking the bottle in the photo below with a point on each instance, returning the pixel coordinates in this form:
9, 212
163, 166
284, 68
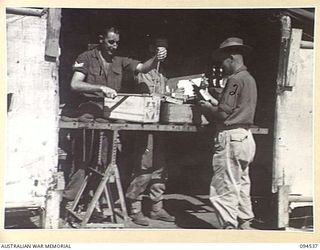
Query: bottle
214, 76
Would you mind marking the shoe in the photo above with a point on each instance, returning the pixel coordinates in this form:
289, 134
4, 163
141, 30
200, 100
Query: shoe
136, 214
228, 226
98, 217
139, 219
162, 215
246, 225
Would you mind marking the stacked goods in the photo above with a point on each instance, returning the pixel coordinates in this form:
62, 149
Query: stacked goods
178, 105
182, 106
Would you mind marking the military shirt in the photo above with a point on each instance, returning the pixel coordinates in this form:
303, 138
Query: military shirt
152, 82
239, 98
99, 72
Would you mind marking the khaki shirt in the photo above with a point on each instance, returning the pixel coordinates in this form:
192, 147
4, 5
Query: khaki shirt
239, 98
151, 82
91, 64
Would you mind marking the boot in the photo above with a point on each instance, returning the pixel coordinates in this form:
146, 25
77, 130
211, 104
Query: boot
158, 213
245, 224
136, 214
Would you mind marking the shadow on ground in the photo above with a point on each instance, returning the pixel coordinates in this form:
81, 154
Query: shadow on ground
191, 212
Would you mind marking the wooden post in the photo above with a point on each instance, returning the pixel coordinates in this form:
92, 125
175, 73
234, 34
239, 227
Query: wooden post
278, 175
284, 50
277, 172
53, 34
52, 51
293, 144
283, 206
52, 211
293, 57
53, 199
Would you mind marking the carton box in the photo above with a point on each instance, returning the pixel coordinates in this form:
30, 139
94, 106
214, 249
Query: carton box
181, 114
133, 108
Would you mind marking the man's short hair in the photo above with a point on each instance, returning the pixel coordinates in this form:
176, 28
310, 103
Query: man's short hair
106, 30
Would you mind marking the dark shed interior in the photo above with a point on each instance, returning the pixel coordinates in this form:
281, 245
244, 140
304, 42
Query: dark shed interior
192, 34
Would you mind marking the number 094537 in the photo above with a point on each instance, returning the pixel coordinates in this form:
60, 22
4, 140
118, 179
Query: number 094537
308, 246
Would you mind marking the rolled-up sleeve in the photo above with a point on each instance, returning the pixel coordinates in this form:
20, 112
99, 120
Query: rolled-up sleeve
229, 97
130, 63
81, 64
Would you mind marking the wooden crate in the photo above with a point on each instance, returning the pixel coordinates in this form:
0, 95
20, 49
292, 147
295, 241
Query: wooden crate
181, 114
134, 108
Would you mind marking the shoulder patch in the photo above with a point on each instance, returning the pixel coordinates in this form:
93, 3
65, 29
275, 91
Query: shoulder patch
78, 65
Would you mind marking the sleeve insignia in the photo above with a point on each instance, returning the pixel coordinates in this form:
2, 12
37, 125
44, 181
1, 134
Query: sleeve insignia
78, 65
234, 91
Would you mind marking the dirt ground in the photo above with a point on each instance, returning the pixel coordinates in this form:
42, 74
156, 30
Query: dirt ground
191, 212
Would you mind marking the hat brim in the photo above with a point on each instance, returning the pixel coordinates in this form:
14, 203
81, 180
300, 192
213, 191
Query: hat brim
221, 53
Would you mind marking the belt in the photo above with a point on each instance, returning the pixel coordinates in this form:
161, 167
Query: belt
233, 126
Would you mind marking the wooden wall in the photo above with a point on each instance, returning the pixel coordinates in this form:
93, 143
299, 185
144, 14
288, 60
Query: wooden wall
293, 139
32, 119
294, 123
300, 167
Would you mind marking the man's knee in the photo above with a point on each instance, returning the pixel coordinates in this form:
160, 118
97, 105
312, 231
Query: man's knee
157, 189
158, 186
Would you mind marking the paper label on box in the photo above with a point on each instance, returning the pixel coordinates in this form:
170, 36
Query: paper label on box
133, 108
188, 85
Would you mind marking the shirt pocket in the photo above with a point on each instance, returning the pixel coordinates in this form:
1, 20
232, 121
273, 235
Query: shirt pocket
95, 75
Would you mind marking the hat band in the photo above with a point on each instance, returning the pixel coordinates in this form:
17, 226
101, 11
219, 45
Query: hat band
230, 44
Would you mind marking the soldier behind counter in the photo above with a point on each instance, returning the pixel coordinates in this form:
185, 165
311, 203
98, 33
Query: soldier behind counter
149, 164
98, 73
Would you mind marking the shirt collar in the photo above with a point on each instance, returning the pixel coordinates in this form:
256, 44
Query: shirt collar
115, 65
241, 68
96, 52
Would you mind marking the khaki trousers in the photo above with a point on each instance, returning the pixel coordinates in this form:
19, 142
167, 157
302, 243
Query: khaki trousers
230, 185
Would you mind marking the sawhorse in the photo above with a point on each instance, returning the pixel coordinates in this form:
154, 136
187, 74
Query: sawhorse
108, 177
